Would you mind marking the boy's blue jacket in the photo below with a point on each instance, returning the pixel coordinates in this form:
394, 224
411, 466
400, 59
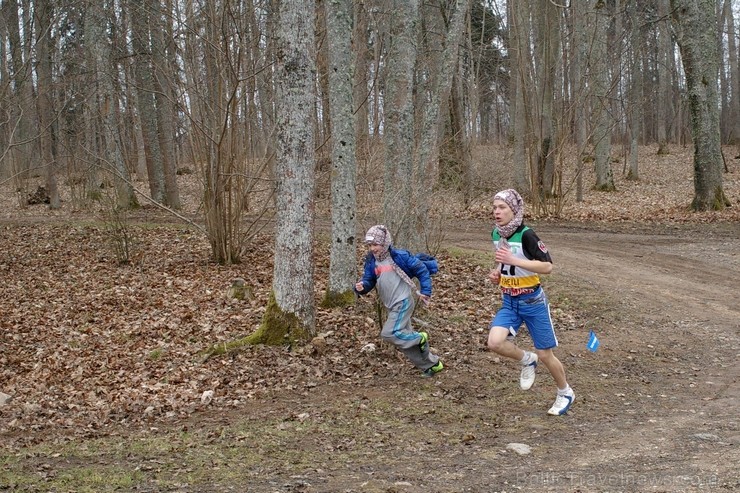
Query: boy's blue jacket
412, 266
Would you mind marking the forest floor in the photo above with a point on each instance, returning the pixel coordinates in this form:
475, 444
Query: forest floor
109, 392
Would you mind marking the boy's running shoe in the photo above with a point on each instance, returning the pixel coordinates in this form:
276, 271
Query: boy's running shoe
430, 372
562, 403
526, 379
424, 342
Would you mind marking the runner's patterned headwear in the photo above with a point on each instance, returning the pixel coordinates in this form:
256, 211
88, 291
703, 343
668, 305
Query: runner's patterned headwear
516, 204
379, 235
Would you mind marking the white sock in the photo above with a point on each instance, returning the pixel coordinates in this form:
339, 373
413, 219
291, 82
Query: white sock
565, 390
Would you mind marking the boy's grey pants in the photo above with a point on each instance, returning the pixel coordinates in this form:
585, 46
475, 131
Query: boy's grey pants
397, 330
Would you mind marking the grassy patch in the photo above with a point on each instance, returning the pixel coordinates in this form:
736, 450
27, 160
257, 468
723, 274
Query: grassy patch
345, 432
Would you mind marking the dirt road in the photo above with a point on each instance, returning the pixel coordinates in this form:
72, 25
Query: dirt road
665, 412
656, 407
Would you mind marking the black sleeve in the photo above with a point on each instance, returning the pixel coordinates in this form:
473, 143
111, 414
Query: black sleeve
534, 248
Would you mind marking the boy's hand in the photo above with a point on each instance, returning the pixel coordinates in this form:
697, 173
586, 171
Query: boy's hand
495, 275
424, 298
504, 256
359, 286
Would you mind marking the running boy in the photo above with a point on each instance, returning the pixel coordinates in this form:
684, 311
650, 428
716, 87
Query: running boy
391, 271
521, 257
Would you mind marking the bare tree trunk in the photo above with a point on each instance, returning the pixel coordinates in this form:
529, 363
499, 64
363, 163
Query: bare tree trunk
141, 43
456, 147
45, 101
265, 88
137, 153
635, 99
599, 77
426, 170
696, 29
664, 106
5, 94
732, 51
291, 312
164, 95
343, 161
96, 26
399, 120
520, 55
361, 60
323, 108
378, 48
548, 34
22, 112
259, 120
579, 92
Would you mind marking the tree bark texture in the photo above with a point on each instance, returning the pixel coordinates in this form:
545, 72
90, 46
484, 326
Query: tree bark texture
141, 43
599, 78
694, 22
343, 152
734, 71
293, 282
399, 120
21, 108
426, 168
163, 78
96, 26
520, 86
548, 48
45, 101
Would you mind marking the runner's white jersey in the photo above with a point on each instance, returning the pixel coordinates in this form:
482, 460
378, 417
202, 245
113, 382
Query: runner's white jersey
524, 244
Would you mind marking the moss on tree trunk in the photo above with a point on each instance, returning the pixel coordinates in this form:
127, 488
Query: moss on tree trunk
719, 202
605, 187
333, 299
278, 328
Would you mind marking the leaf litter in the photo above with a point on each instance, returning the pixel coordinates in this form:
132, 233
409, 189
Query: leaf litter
91, 348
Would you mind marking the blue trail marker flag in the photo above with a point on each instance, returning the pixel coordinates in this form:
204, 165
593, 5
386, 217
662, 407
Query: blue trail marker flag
593, 342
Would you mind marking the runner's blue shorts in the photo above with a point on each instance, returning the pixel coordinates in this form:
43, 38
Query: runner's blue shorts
532, 309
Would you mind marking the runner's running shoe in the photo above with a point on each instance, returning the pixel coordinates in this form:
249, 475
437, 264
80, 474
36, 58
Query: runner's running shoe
424, 342
526, 379
562, 403
430, 372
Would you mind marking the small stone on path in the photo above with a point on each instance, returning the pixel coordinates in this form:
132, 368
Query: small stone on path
519, 448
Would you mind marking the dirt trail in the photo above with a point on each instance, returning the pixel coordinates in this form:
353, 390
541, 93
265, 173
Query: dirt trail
677, 430
656, 408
